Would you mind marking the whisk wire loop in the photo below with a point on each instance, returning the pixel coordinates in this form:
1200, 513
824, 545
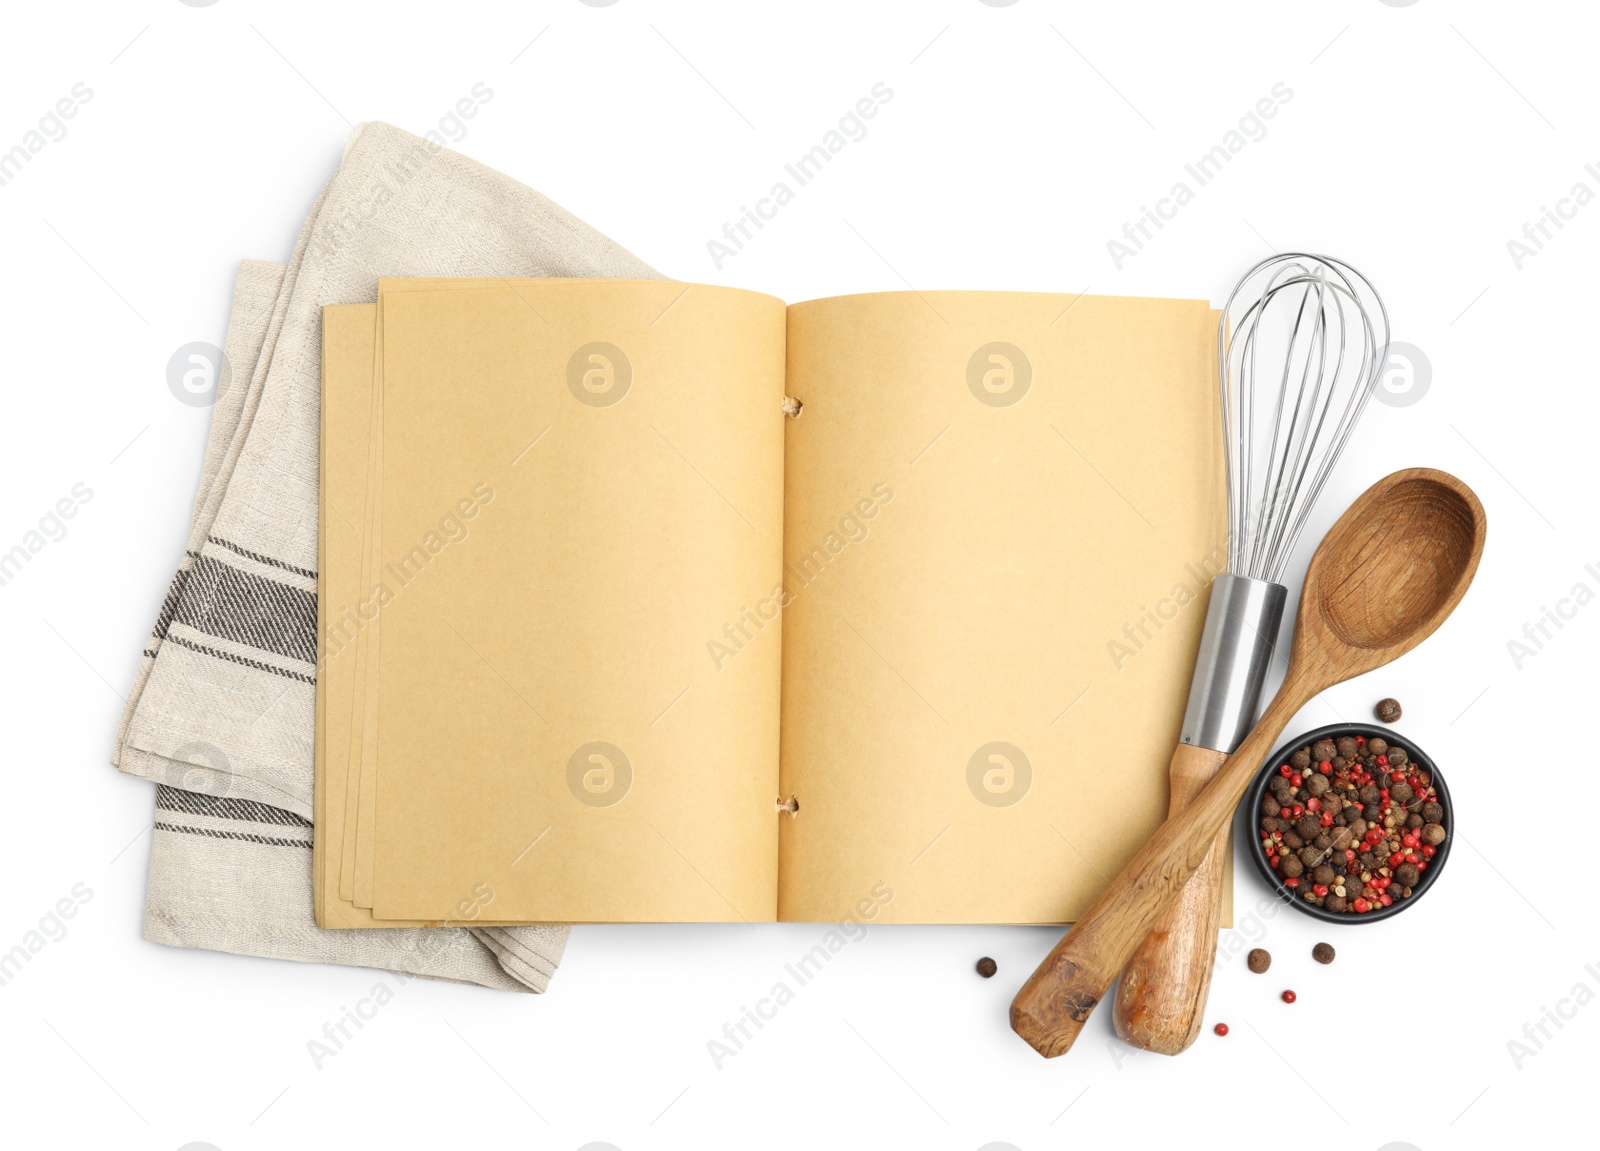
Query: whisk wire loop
1329, 350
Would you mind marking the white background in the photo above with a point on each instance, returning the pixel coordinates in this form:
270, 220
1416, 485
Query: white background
1020, 138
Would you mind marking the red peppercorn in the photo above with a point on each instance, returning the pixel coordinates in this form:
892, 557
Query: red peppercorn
1383, 761
1327, 820
1396, 859
1313, 804
1291, 883
1325, 767
1289, 997
1386, 899
1221, 1029
1297, 779
1319, 889
1410, 839
1361, 904
1285, 770
1422, 867
1427, 851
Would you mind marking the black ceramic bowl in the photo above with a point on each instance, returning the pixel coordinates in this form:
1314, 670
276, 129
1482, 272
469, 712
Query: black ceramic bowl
1258, 791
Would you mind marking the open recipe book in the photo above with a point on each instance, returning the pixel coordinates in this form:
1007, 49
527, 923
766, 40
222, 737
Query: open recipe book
643, 601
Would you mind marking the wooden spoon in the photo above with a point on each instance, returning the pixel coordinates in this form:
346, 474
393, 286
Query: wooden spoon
1384, 577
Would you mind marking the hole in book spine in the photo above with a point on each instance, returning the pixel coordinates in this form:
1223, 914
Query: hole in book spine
792, 407
791, 805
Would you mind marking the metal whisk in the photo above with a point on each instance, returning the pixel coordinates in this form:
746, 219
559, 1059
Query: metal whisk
1300, 346
1328, 311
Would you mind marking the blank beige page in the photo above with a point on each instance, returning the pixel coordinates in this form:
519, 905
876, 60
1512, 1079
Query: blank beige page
582, 488
346, 608
1000, 509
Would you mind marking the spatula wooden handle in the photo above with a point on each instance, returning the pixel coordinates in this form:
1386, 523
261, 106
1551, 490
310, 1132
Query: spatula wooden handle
1057, 999
1161, 998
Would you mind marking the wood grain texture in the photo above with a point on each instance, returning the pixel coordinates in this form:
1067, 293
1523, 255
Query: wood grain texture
1161, 997
1386, 575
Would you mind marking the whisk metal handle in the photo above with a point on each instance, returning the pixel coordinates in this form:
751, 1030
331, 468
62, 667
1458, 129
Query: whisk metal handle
1236, 646
1161, 999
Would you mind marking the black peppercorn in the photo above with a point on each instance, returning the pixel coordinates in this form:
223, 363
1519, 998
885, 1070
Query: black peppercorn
1300, 760
1347, 746
1270, 806
1406, 875
1318, 785
1291, 838
1258, 960
1311, 856
1414, 821
1398, 757
987, 967
1368, 793
1291, 866
1433, 834
1323, 953
1323, 875
1373, 812
1388, 710
1324, 749
1432, 813
1335, 903
1377, 745
1401, 792
1309, 826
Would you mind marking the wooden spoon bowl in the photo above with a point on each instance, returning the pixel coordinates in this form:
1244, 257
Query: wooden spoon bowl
1399, 564
1387, 574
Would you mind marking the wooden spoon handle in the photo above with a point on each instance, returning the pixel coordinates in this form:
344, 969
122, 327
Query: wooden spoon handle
1056, 1000
1161, 998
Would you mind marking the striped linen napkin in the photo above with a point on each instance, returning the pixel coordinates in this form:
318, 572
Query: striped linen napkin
221, 715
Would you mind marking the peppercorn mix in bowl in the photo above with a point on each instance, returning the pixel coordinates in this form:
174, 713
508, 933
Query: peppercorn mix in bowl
1350, 823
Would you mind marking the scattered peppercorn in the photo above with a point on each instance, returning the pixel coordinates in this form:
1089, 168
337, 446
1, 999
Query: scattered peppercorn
1323, 953
1388, 710
1289, 997
987, 967
1258, 960
1221, 1029
1351, 826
